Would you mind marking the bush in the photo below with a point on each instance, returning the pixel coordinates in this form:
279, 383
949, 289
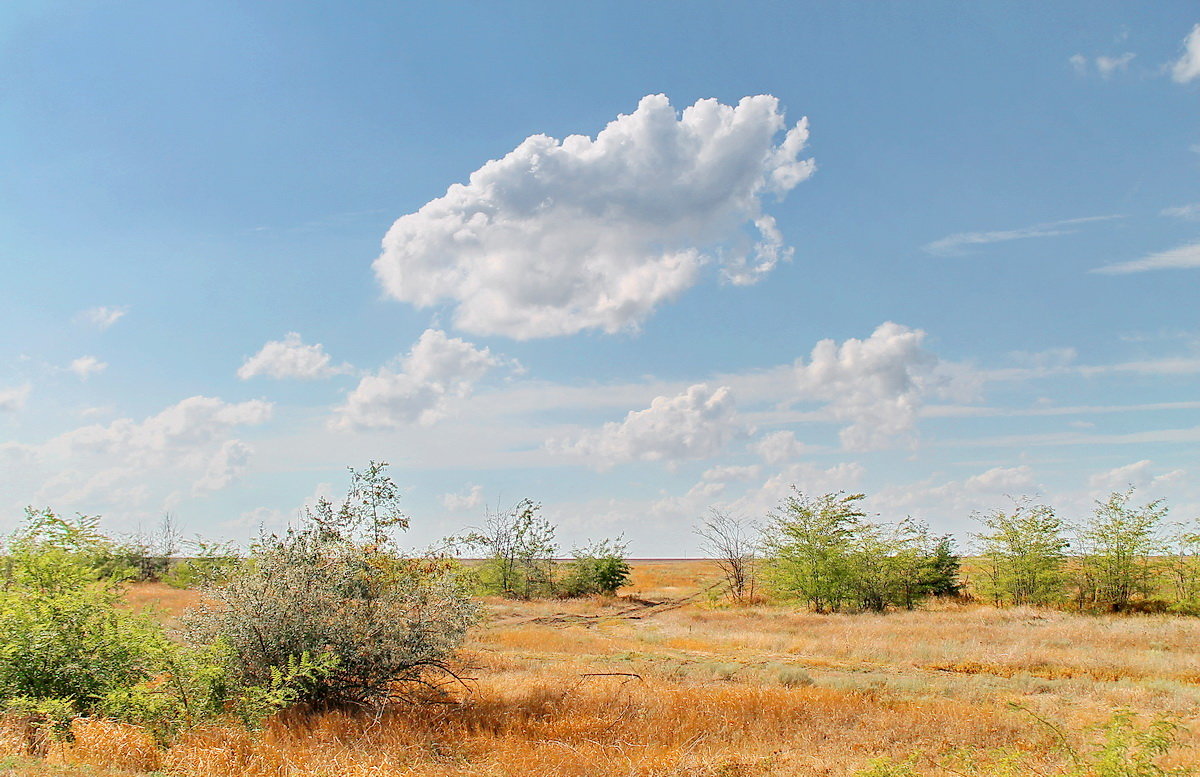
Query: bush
385, 622
599, 568
62, 638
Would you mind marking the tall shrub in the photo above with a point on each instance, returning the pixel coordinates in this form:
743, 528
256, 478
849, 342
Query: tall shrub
338, 588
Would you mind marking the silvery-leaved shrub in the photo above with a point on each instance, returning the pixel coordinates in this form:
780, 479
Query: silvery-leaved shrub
338, 587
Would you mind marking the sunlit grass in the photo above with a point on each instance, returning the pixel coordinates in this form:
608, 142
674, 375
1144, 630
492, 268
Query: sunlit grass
574, 688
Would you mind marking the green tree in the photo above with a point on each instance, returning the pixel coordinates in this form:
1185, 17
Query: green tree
1023, 554
1120, 544
808, 545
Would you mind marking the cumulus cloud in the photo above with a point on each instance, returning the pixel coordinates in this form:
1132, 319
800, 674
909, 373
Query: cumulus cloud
876, 385
1187, 67
956, 244
13, 399
778, 447
226, 466
696, 424
420, 388
289, 358
102, 317
1182, 258
86, 366
472, 498
562, 236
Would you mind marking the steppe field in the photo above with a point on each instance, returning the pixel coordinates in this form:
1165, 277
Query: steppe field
668, 679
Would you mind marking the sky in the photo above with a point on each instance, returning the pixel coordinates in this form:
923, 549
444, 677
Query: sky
634, 261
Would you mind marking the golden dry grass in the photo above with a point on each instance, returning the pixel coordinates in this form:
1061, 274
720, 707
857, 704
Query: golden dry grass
576, 688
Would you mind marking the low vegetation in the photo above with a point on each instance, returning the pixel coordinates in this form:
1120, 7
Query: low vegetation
830, 642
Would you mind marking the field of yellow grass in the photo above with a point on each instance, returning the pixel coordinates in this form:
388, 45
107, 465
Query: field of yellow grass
629, 687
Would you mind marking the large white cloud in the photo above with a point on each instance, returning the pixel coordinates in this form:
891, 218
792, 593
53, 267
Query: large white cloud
561, 236
419, 389
289, 358
696, 424
1187, 67
877, 385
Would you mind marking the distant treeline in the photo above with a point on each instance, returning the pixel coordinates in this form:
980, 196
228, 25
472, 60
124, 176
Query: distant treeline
826, 552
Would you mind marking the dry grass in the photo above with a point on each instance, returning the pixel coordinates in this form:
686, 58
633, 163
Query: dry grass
573, 688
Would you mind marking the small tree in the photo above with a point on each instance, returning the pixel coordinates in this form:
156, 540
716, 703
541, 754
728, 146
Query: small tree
372, 505
1023, 554
521, 550
383, 622
598, 568
733, 544
1119, 544
808, 546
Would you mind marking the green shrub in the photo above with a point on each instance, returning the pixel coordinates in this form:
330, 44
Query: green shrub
599, 568
388, 623
62, 636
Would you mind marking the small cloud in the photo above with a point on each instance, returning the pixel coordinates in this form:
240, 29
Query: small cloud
1182, 258
13, 399
1187, 67
1105, 66
473, 498
290, 358
87, 366
102, 317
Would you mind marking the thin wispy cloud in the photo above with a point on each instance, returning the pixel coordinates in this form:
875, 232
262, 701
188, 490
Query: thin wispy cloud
1189, 212
958, 243
1184, 257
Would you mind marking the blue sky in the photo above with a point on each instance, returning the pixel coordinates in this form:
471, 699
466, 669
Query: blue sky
245, 245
